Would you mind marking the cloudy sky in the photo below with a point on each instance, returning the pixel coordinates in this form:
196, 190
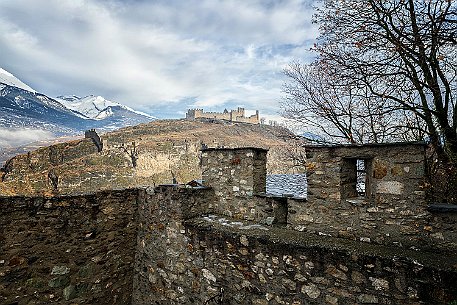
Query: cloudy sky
160, 56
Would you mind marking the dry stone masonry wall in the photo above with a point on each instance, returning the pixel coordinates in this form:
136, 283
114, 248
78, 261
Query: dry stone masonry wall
236, 175
231, 243
68, 250
394, 210
183, 259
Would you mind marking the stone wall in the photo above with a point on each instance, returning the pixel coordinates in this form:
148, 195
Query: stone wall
186, 259
395, 172
68, 250
92, 134
226, 245
393, 212
236, 175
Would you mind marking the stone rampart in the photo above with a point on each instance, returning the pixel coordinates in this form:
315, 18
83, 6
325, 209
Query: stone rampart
393, 211
184, 259
236, 174
230, 243
68, 250
92, 134
393, 172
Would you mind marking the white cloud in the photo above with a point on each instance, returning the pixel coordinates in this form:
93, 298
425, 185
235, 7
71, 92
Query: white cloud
21, 136
145, 54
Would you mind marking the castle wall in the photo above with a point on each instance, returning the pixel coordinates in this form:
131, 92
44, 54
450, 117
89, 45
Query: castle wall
68, 250
395, 171
232, 115
401, 219
395, 210
183, 259
236, 175
223, 245
92, 134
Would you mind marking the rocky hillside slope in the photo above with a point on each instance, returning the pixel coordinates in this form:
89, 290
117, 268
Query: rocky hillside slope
143, 155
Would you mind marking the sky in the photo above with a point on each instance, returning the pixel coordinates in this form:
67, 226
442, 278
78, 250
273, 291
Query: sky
161, 57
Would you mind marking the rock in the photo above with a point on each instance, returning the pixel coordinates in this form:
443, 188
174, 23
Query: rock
208, 275
311, 291
358, 277
69, 292
180, 267
331, 300
58, 282
379, 284
60, 270
367, 299
291, 285
35, 282
438, 235
244, 240
333, 271
320, 280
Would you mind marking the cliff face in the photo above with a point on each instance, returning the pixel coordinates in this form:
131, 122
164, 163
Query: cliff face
147, 154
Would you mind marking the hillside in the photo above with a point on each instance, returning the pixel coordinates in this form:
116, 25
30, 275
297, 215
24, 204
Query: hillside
143, 155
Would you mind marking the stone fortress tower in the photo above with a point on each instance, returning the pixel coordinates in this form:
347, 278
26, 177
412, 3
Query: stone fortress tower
237, 115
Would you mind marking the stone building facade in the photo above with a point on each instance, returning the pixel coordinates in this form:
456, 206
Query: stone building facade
386, 172
237, 115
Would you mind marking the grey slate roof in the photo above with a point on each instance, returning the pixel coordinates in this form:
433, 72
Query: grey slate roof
291, 185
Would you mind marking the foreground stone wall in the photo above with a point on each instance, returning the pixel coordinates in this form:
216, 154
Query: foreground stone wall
393, 212
186, 259
68, 250
236, 174
395, 172
394, 223
167, 246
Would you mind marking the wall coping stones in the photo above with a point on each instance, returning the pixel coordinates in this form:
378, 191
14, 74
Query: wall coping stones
442, 208
234, 149
370, 145
284, 196
285, 238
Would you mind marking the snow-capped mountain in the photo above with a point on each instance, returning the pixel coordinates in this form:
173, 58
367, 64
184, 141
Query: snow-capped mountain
23, 107
10, 80
95, 107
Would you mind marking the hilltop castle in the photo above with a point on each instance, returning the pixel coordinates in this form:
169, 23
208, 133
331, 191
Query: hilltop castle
232, 115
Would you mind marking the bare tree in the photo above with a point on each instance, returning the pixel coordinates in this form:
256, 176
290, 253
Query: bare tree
132, 152
400, 50
343, 112
401, 54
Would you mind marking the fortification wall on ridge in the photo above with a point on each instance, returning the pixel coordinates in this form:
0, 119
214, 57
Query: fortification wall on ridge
237, 115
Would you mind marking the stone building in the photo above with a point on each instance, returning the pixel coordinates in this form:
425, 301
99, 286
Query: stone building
237, 115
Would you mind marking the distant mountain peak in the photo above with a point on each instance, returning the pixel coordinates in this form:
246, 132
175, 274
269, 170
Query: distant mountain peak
23, 107
96, 107
9, 79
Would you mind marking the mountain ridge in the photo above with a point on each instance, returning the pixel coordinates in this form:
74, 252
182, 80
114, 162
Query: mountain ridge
23, 107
